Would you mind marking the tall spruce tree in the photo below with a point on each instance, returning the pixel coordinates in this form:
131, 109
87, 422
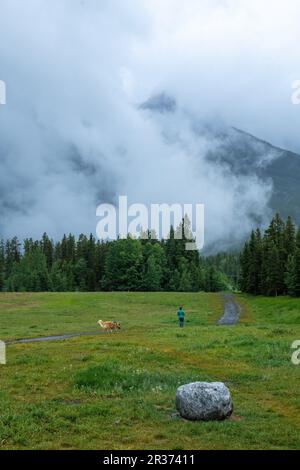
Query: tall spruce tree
254, 263
2, 265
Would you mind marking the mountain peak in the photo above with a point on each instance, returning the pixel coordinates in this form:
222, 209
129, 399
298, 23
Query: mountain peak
160, 103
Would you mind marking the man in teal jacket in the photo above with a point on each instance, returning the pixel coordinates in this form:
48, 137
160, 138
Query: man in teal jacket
181, 315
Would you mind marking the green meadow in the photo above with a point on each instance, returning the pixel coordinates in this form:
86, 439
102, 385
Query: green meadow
117, 390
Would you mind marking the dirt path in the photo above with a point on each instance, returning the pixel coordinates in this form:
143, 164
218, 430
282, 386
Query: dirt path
55, 337
232, 311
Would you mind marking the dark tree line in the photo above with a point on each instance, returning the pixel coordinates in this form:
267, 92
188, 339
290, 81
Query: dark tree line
270, 262
87, 264
228, 265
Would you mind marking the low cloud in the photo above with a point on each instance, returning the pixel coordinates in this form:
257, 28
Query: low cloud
134, 98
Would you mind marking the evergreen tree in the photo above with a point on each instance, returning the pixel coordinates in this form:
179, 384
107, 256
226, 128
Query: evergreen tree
58, 278
123, 268
290, 275
2, 265
297, 273
170, 249
212, 280
12, 254
293, 274
245, 268
185, 283
80, 270
153, 275
47, 249
174, 282
289, 238
275, 236
254, 267
30, 274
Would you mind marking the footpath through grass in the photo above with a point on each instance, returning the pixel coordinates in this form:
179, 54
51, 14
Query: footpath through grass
116, 391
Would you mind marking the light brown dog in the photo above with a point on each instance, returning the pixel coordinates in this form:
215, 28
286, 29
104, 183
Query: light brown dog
109, 325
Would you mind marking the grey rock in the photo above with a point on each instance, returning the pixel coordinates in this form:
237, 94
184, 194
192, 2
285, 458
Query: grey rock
204, 401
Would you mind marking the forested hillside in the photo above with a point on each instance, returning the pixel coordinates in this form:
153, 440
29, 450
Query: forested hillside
87, 264
270, 262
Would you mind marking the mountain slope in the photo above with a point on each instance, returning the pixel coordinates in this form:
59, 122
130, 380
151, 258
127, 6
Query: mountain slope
246, 154
241, 153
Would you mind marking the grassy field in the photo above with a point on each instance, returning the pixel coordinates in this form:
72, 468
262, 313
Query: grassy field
116, 391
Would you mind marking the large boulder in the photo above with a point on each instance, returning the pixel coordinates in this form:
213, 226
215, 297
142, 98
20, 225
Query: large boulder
204, 401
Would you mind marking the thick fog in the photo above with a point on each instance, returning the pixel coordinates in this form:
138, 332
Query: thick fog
114, 97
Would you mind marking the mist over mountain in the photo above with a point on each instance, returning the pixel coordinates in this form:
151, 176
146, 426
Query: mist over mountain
243, 156
247, 155
145, 99
240, 178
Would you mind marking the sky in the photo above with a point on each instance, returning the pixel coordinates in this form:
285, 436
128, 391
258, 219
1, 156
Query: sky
74, 132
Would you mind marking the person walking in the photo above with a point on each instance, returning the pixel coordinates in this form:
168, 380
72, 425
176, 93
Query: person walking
181, 315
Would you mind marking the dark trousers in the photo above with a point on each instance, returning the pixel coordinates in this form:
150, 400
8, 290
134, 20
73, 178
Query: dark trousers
181, 322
